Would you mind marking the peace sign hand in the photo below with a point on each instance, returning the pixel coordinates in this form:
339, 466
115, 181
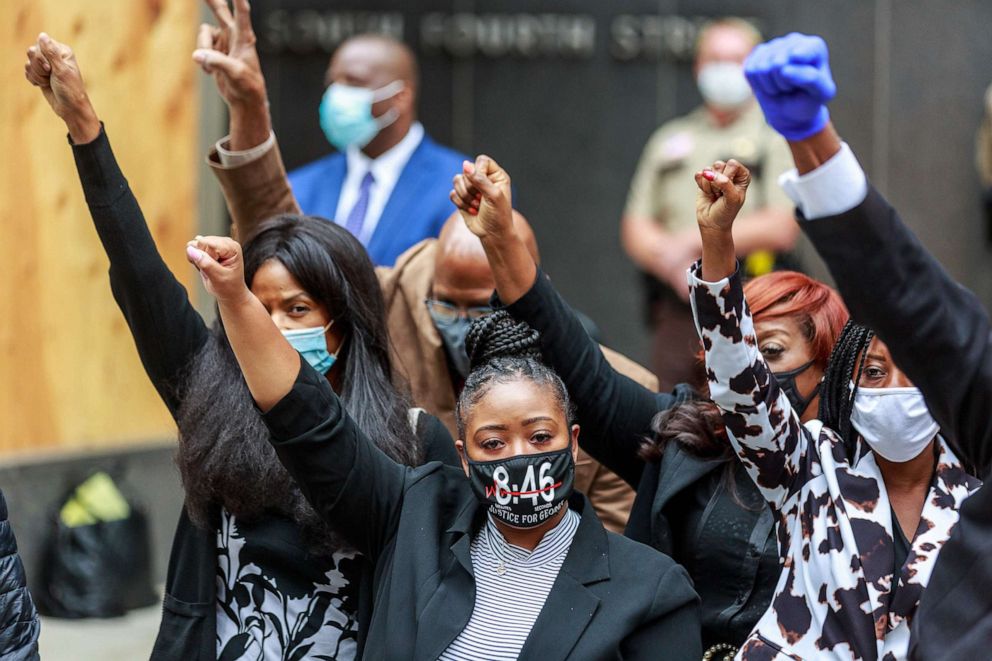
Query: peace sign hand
227, 52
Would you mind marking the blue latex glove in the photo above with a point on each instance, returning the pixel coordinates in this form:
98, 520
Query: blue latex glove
791, 79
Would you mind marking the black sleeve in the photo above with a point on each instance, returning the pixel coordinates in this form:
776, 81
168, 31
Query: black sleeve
350, 482
674, 625
614, 411
936, 330
167, 331
436, 441
19, 626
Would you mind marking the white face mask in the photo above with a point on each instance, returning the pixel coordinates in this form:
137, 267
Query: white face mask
894, 422
723, 84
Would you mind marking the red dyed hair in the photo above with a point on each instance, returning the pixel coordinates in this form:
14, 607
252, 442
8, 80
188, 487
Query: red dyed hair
817, 307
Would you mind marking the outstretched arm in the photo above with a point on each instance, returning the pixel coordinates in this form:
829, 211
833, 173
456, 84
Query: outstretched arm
937, 331
762, 426
166, 329
614, 412
247, 162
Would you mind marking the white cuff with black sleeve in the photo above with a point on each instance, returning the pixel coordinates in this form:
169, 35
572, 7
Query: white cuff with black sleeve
232, 159
835, 187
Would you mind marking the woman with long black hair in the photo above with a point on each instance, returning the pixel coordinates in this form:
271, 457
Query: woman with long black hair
499, 560
255, 572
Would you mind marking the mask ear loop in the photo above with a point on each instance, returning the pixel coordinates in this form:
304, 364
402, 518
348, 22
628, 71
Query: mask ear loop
340, 344
383, 93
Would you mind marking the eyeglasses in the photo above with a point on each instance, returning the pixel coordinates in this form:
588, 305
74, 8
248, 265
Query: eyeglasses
447, 312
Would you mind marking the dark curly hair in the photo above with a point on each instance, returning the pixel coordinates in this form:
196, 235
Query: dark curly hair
502, 350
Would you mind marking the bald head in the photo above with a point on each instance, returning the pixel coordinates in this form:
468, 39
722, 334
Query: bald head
462, 275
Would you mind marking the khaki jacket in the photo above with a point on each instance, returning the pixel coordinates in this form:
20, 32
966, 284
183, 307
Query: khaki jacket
259, 190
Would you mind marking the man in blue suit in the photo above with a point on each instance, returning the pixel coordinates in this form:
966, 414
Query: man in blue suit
388, 182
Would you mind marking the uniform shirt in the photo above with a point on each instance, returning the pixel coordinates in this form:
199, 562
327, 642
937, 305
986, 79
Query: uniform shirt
663, 187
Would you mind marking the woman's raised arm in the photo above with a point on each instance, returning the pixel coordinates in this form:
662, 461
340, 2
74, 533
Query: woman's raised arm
166, 328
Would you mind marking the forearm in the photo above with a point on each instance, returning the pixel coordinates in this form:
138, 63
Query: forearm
762, 426
815, 150
250, 124
513, 267
167, 330
614, 412
719, 254
270, 365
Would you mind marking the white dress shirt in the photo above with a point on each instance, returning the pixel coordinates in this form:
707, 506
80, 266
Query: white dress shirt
836, 186
386, 169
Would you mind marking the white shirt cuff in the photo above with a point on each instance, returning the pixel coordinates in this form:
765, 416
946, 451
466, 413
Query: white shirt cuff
835, 187
232, 159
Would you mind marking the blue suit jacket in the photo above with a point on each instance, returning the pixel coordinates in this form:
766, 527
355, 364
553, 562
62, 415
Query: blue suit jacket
416, 209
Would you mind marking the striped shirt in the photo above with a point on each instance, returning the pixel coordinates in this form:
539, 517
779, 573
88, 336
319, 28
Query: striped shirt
511, 586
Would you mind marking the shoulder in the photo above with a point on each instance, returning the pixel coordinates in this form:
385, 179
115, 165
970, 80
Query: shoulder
641, 567
317, 169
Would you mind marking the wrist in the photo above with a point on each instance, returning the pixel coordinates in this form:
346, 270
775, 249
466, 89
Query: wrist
250, 125
83, 124
236, 302
719, 254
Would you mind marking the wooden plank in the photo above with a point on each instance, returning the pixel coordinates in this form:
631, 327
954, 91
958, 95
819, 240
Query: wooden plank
69, 373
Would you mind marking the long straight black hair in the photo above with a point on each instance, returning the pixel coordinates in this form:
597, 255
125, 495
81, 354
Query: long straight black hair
225, 457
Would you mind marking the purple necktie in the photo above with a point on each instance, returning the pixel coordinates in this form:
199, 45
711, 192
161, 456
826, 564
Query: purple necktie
356, 217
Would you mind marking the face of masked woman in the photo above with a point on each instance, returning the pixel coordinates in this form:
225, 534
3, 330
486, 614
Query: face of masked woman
519, 452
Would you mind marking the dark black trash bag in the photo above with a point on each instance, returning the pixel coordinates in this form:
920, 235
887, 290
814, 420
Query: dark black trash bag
101, 569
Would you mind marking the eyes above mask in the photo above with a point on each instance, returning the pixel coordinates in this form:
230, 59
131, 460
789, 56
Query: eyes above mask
311, 343
346, 113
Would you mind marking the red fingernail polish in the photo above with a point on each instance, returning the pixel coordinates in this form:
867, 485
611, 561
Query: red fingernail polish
708, 175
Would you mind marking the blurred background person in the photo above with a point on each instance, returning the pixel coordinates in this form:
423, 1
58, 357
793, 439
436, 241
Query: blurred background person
387, 182
658, 228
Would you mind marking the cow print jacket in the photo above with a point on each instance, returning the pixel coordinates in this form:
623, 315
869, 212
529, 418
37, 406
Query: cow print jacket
834, 523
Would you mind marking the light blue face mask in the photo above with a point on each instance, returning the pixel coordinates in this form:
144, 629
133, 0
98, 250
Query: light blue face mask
346, 113
312, 345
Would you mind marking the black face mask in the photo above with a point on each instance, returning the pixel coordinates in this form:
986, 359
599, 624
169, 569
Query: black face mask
453, 334
526, 490
787, 382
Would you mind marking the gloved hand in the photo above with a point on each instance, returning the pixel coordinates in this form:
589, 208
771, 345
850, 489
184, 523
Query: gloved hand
791, 79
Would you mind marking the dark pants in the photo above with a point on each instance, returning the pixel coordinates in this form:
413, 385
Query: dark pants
675, 347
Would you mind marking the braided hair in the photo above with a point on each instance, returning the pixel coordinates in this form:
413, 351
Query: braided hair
847, 360
502, 350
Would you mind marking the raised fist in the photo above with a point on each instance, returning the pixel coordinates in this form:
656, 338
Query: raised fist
219, 261
722, 190
52, 67
791, 79
482, 194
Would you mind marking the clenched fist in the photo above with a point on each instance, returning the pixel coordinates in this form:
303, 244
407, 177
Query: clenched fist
52, 67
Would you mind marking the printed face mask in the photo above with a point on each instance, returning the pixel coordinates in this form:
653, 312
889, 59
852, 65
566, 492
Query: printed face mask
346, 113
312, 345
453, 333
895, 422
526, 490
787, 382
723, 84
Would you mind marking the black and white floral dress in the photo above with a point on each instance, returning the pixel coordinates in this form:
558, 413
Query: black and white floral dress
276, 601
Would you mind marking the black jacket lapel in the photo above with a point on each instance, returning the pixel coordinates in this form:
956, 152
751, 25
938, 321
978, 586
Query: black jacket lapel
448, 611
571, 605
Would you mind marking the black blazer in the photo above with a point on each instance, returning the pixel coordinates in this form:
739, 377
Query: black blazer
682, 505
613, 598
939, 335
